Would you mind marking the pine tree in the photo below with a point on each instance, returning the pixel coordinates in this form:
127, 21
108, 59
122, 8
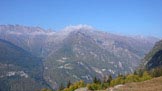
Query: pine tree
68, 84
146, 76
96, 80
61, 88
140, 72
135, 72
109, 79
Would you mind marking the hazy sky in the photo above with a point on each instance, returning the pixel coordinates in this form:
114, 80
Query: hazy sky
129, 17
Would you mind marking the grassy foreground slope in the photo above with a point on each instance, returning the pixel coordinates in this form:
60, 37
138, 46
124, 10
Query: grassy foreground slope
154, 84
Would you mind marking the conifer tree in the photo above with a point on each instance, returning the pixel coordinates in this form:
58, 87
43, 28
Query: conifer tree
68, 84
109, 79
61, 88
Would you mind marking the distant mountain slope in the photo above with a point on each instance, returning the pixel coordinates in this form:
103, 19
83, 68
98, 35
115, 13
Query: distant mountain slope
154, 57
79, 52
19, 70
84, 54
32, 39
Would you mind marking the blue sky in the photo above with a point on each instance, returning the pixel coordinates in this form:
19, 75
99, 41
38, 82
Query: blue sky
128, 17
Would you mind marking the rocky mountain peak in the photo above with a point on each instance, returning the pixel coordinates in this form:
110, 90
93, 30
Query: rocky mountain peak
78, 28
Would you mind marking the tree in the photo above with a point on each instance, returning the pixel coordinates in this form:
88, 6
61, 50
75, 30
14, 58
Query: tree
109, 79
96, 80
132, 78
75, 85
118, 80
140, 72
156, 72
68, 84
146, 76
135, 72
94, 86
61, 87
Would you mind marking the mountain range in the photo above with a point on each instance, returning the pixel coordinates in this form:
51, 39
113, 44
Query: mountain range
48, 58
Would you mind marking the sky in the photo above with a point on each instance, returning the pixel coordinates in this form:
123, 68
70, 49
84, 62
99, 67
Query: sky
128, 17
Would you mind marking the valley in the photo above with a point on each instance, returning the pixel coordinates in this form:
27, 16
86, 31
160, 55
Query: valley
74, 53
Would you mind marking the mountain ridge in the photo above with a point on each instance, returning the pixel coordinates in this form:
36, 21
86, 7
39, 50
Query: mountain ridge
81, 52
154, 57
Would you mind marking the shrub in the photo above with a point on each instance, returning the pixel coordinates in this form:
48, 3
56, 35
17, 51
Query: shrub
94, 86
146, 76
96, 80
104, 85
132, 78
74, 86
118, 80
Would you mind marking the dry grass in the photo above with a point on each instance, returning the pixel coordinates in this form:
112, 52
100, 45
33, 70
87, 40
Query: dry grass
150, 85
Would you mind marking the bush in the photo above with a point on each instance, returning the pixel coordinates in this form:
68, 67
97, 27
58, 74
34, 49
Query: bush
118, 80
132, 78
105, 85
74, 86
96, 80
138, 76
94, 86
146, 76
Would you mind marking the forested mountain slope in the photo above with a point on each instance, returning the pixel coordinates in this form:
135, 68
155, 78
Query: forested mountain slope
154, 58
19, 70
